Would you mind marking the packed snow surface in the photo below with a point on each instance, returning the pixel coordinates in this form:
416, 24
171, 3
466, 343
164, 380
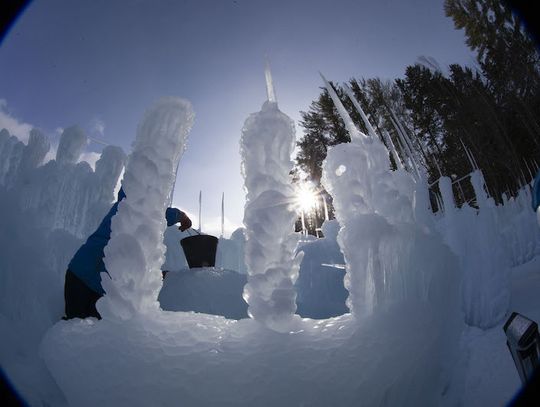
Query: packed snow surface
196, 359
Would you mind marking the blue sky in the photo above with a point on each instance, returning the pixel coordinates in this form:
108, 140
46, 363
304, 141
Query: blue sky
101, 63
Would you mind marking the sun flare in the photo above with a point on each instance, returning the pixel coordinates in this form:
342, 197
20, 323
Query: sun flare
306, 198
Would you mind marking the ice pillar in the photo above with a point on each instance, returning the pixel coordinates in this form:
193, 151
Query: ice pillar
135, 251
266, 146
388, 250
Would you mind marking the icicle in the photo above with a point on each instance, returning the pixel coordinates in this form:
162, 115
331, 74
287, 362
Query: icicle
349, 124
531, 175
326, 217
403, 137
270, 92
222, 214
356, 104
392, 149
472, 161
200, 210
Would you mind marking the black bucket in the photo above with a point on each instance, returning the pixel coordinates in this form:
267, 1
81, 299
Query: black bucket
200, 250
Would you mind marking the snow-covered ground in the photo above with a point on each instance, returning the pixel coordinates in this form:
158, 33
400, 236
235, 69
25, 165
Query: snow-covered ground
485, 374
427, 307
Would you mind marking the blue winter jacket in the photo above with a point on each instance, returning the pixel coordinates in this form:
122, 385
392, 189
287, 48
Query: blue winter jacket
87, 264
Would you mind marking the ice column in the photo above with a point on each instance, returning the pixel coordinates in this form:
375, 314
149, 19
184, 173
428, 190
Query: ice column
135, 251
477, 240
266, 146
390, 251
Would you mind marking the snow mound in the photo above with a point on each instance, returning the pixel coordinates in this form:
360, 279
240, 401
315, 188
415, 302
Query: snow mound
193, 359
206, 290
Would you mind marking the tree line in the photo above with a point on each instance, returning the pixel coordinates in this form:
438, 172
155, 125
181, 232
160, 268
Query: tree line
492, 110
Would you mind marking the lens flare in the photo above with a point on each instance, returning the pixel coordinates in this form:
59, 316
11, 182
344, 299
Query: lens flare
306, 198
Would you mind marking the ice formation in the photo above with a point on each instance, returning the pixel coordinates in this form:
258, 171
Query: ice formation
320, 289
66, 195
473, 234
135, 252
71, 145
230, 252
266, 147
389, 255
395, 349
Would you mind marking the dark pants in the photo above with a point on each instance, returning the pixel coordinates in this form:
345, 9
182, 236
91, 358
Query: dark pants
80, 300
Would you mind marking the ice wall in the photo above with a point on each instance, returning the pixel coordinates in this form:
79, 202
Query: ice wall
474, 235
266, 147
17, 160
65, 195
72, 145
135, 252
519, 228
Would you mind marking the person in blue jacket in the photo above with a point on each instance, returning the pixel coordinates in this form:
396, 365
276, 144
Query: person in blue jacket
83, 287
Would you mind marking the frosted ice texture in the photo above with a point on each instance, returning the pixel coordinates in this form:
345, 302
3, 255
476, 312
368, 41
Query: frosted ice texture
320, 289
474, 236
266, 147
390, 255
135, 252
72, 143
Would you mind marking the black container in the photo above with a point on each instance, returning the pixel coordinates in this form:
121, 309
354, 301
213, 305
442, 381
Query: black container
523, 341
200, 250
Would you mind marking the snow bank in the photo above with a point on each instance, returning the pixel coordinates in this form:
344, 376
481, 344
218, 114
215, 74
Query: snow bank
266, 147
195, 359
207, 290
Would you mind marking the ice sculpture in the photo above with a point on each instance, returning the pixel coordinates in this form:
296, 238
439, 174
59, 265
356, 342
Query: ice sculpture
391, 254
474, 236
135, 251
266, 147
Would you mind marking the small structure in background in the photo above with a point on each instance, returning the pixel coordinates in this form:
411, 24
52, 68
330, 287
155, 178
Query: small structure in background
524, 344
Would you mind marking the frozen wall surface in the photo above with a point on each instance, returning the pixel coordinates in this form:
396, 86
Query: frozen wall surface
72, 143
135, 252
476, 238
230, 252
321, 293
266, 147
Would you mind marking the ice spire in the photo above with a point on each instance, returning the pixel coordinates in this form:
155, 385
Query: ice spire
200, 210
349, 124
135, 252
222, 214
266, 146
270, 93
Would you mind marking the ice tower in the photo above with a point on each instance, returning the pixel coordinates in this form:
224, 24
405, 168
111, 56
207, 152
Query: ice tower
266, 147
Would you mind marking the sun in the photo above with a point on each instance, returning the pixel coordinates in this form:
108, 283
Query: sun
306, 197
